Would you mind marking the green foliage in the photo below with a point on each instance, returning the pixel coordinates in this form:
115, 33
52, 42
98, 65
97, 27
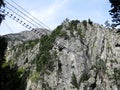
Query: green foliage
64, 89
23, 47
3, 45
20, 71
58, 32
81, 33
73, 24
2, 3
64, 34
59, 66
114, 12
116, 77
35, 77
2, 16
84, 23
46, 43
4, 65
114, 61
90, 22
100, 66
44, 58
10, 76
74, 81
85, 76
26, 45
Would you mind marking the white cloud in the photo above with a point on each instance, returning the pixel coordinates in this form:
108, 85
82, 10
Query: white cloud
49, 14
51, 9
56, 6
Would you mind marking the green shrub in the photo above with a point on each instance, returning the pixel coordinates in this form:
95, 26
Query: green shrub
23, 47
74, 82
90, 22
100, 66
81, 33
114, 61
44, 58
73, 24
5, 64
35, 77
116, 74
116, 77
85, 76
84, 23
20, 71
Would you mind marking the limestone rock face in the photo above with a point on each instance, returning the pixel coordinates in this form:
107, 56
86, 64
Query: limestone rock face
87, 59
17, 38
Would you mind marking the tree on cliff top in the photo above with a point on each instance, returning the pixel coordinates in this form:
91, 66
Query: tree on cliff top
115, 12
2, 3
1, 15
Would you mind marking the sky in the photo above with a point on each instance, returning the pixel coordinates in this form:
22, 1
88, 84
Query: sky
53, 12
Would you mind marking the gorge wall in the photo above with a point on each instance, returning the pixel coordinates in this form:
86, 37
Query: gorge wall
75, 56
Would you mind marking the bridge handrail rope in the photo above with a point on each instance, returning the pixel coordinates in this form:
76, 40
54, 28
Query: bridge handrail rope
21, 16
8, 27
17, 19
24, 14
11, 15
31, 15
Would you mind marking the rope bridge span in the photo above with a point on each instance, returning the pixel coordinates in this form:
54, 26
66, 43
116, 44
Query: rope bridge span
21, 16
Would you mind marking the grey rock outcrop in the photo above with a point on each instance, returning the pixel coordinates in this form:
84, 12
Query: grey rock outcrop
18, 38
88, 59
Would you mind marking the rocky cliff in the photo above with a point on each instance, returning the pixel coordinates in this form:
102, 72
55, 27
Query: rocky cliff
75, 56
18, 38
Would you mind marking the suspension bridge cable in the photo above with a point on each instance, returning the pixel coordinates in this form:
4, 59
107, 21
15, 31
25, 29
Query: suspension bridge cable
25, 14
17, 19
55, 42
8, 27
30, 14
21, 16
